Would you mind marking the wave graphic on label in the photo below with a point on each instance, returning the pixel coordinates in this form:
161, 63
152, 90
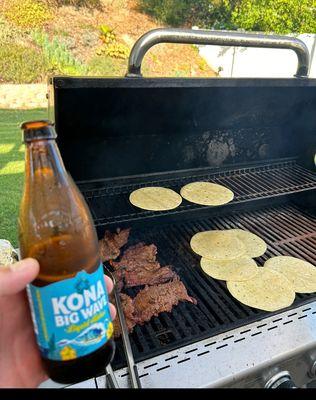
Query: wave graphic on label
91, 335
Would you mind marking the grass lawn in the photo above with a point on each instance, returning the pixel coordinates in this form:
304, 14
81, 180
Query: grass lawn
12, 168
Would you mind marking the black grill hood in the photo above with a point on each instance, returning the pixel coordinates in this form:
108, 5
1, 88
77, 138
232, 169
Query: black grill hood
110, 128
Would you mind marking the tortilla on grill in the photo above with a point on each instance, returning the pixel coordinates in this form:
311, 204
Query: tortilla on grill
300, 273
240, 269
155, 198
207, 193
255, 246
268, 290
217, 245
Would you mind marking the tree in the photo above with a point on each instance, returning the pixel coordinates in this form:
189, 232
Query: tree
279, 16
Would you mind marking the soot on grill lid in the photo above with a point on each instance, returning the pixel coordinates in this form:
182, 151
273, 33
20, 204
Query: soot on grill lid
125, 127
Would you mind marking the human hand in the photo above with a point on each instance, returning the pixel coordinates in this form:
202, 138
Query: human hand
20, 362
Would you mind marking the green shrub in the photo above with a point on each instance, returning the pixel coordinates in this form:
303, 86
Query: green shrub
75, 3
107, 34
57, 56
176, 12
21, 64
116, 50
10, 33
106, 66
279, 16
27, 13
112, 47
219, 15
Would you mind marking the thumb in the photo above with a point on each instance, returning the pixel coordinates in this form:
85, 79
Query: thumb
15, 277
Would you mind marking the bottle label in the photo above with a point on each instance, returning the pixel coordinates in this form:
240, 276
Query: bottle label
71, 317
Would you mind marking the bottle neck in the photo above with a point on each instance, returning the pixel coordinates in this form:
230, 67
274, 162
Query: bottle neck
43, 160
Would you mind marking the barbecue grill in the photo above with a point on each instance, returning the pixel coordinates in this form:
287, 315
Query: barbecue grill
254, 136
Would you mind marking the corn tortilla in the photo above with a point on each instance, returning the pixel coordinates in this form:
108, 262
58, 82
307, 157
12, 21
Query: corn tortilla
300, 273
268, 291
255, 246
155, 198
240, 269
217, 245
207, 193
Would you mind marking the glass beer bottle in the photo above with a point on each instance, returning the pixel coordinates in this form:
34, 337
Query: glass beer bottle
68, 299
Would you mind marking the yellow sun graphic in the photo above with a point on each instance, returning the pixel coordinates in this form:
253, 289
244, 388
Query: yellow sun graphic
109, 331
68, 353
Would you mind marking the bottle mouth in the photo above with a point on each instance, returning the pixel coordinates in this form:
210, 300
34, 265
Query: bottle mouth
36, 124
38, 130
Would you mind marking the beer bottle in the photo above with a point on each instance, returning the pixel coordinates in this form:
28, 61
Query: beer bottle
68, 299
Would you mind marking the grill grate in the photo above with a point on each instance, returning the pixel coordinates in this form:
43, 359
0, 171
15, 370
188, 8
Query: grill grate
287, 230
247, 184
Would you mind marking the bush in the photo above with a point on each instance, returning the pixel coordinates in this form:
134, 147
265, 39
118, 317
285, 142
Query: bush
27, 13
107, 34
117, 50
111, 46
220, 15
57, 56
106, 66
75, 3
176, 12
9, 33
279, 16
21, 64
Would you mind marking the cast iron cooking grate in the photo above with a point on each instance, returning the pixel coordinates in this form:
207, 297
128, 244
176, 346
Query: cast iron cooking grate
251, 183
287, 230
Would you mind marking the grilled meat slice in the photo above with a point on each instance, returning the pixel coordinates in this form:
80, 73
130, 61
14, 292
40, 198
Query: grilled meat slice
138, 266
140, 255
153, 300
111, 244
141, 276
129, 312
150, 302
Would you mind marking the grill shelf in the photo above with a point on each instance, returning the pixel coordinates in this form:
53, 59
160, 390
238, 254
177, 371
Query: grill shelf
287, 230
248, 184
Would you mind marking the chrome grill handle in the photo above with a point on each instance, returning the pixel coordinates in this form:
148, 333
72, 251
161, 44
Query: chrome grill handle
221, 38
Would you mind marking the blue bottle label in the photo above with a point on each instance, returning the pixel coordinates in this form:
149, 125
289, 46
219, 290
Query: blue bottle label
71, 317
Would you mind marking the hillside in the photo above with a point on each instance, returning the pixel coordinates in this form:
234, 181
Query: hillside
74, 33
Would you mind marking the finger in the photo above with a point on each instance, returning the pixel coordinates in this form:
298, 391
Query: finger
109, 283
112, 311
15, 277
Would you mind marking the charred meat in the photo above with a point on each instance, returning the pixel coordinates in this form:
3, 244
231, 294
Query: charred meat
140, 276
129, 313
138, 267
150, 302
112, 243
153, 300
140, 255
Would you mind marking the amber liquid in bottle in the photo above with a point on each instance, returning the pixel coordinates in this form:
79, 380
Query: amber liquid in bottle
56, 228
